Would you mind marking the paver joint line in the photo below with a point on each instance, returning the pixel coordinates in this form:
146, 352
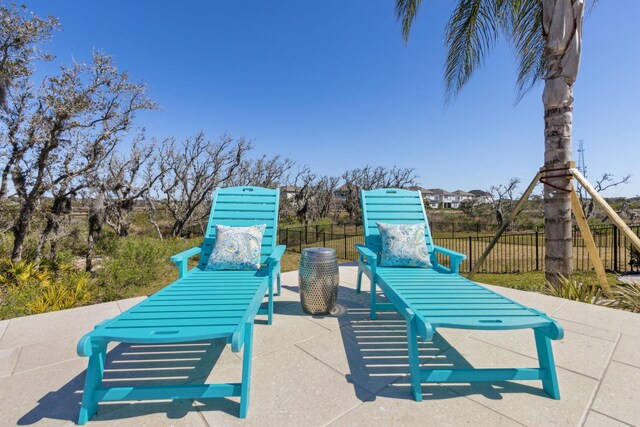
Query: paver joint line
610, 417
592, 399
5, 330
626, 364
473, 401
13, 371
202, 417
346, 412
556, 310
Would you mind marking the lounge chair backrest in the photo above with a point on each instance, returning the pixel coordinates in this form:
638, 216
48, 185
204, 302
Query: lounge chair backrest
242, 207
391, 206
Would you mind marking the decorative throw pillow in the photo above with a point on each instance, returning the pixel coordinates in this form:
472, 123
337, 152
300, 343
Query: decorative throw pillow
236, 248
403, 245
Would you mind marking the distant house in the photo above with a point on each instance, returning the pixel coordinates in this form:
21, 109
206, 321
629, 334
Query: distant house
461, 197
443, 198
288, 192
428, 196
440, 198
481, 196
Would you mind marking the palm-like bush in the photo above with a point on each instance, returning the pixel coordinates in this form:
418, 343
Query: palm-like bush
628, 297
21, 273
571, 288
68, 291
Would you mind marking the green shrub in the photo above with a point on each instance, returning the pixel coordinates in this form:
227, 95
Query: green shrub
31, 288
107, 244
21, 273
571, 288
324, 225
71, 289
75, 241
628, 297
139, 266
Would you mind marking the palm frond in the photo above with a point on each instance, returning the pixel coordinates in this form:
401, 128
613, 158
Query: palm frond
472, 31
528, 42
406, 11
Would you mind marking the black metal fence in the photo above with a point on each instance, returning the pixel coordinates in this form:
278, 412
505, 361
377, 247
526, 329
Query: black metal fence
513, 253
438, 228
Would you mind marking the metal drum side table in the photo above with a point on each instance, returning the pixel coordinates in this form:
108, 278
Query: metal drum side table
318, 280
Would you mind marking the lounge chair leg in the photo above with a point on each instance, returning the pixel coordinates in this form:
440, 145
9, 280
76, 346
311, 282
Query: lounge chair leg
372, 309
279, 283
359, 281
93, 380
270, 303
545, 358
245, 388
414, 359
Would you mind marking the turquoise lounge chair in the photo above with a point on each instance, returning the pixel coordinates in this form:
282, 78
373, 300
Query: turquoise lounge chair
438, 297
200, 305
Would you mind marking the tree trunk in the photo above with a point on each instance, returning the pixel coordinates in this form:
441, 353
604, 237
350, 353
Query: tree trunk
96, 220
557, 201
20, 230
562, 30
178, 228
44, 237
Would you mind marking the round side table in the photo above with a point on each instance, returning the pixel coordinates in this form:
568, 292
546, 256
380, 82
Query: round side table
318, 280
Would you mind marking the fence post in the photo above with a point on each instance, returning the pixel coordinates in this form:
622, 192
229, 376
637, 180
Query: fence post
286, 237
470, 263
317, 232
477, 229
537, 251
306, 234
331, 231
345, 245
300, 241
324, 239
615, 247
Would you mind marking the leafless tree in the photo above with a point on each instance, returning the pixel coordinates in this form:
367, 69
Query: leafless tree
114, 189
325, 199
606, 181
192, 170
131, 178
64, 130
314, 195
62, 193
303, 182
368, 178
502, 199
262, 172
21, 34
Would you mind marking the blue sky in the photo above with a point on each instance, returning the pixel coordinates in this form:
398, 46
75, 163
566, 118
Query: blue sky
331, 84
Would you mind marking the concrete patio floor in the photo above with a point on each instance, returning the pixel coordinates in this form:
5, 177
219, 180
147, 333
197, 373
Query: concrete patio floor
339, 370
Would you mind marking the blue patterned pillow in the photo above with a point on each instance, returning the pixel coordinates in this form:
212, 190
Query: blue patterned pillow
237, 248
403, 245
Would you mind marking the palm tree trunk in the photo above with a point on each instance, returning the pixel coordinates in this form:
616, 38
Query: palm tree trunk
562, 29
557, 201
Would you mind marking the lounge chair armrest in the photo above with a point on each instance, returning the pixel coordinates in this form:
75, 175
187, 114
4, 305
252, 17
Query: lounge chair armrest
181, 259
455, 257
276, 255
370, 256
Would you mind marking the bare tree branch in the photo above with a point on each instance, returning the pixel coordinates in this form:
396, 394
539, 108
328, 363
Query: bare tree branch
192, 170
61, 132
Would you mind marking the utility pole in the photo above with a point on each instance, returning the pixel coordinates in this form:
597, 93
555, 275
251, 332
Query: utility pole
582, 167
